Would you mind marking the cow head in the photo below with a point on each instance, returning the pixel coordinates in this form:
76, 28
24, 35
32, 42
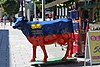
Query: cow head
18, 22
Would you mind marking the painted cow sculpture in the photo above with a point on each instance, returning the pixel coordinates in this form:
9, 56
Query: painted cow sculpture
47, 32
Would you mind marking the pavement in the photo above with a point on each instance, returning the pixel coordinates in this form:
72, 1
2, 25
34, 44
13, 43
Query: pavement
16, 51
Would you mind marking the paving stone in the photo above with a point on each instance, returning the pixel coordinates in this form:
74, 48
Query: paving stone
23, 66
12, 62
12, 65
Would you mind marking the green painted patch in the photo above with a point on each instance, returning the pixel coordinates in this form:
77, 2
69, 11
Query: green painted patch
53, 61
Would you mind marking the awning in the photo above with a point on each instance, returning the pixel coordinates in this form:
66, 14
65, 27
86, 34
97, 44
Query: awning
97, 3
55, 3
90, 5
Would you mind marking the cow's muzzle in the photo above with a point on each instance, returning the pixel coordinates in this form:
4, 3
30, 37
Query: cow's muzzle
14, 27
17, 27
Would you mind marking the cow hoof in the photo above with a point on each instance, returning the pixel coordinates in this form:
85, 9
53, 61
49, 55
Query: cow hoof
63, 59
32, 60
69, 56
44, 60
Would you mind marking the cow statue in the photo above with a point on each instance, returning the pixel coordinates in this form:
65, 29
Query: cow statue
43, 33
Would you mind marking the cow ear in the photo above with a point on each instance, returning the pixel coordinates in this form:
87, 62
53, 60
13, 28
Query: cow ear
23, 18
26, 20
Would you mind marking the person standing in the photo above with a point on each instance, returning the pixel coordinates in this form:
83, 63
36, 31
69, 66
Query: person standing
1, 20
4, 19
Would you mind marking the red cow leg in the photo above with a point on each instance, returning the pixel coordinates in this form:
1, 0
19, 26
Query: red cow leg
34, 54
45, 53
69, 51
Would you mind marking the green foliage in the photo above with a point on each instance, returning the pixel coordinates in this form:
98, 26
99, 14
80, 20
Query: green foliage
2, 1
77, 1
11, 7
70, 2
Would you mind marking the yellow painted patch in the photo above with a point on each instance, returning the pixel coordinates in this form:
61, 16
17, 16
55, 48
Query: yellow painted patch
34, 26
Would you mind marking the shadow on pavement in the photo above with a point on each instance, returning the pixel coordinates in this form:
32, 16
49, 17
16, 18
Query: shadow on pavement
4, 48
74, 63
66, 64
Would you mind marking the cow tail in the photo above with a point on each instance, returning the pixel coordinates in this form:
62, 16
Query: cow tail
73, 36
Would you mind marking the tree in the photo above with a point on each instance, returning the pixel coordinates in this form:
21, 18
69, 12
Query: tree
1, 8
2, 1
11, 7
